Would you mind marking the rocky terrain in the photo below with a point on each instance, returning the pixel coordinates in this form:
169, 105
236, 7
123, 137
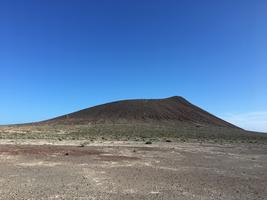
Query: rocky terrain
132, 170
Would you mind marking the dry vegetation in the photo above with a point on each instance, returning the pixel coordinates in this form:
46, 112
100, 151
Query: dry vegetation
136, 132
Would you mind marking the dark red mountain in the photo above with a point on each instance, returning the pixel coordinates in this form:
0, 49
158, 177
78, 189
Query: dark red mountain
170, 110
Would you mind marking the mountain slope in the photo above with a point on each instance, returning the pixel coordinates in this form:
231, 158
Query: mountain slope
170, 110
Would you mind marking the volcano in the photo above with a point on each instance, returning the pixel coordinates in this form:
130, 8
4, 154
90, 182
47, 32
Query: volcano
174, 110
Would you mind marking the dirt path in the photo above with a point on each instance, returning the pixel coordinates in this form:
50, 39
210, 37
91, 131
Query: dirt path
133, 171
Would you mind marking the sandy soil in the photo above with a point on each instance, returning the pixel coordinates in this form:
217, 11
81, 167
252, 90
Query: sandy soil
128, 170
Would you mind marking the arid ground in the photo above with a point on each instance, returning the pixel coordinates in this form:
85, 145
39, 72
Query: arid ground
132, 170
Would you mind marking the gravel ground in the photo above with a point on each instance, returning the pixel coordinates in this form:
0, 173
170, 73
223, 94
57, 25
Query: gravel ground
133, 171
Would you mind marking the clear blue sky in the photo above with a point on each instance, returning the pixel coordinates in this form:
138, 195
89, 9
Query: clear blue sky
58, 56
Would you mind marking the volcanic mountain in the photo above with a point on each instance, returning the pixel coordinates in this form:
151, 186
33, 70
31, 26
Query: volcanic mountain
175, 110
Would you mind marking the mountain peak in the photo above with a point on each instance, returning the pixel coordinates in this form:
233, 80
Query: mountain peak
177, 98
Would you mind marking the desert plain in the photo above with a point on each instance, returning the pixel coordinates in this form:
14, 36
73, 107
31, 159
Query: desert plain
43, 169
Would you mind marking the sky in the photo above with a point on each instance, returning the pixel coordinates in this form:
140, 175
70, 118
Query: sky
59, 56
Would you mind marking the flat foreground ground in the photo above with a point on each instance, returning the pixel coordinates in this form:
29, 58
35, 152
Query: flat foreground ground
134, 171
